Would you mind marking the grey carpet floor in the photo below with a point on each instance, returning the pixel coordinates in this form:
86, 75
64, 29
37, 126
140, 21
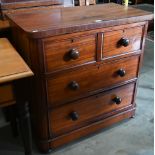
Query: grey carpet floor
145, 6
131, 137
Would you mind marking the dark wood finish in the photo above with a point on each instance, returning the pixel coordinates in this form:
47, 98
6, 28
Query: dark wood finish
8, 6
12, 117
92, 128
97, 67
24, 124
89, 109
75, 19
122, 41
106, 75
22, 107
58, 50
16, 4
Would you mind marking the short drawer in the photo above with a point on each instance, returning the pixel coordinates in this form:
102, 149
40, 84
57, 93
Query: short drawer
121, 41
69, 50
83, 112
6, 94
81, 82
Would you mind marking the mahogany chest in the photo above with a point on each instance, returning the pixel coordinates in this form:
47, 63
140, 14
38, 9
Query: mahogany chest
86, 62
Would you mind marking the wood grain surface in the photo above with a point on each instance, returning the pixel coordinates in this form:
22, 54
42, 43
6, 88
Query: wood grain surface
57, 50
89, 109
89, 129
105, 76
12, 66
112, 41
16, 4
66, 89
74, 19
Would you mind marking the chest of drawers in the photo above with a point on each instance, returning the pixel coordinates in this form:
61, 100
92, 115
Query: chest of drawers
86, 62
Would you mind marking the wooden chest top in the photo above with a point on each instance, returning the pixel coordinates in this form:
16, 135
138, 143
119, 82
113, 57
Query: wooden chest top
58, 21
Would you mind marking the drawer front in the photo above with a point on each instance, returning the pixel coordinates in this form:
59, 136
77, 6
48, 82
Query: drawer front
78, 83
121, 41
6, 93
69, 50
77, 114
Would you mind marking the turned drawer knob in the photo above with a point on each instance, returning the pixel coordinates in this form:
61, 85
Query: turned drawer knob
121, 72
74, 85
74, 116
124, 42
117, 100
74, 54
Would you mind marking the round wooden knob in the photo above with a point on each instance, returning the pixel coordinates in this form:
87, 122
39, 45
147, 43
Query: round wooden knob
121, 72
74, 54
117, 100
125, 42
74, 116
74, 85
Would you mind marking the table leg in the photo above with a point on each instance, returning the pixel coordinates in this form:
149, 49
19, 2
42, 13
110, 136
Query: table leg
13, 122
25, 128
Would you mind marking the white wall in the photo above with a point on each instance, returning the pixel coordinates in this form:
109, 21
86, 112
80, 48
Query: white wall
68, 2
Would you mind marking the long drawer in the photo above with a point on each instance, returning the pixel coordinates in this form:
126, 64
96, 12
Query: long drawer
77, 114
81, 82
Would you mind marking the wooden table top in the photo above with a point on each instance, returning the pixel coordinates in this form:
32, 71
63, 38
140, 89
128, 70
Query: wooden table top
12, 66
57, 21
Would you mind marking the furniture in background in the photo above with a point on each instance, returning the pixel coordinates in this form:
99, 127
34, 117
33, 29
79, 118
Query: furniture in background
19, 6
13, 71
22, 5
84, 2
86, 63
